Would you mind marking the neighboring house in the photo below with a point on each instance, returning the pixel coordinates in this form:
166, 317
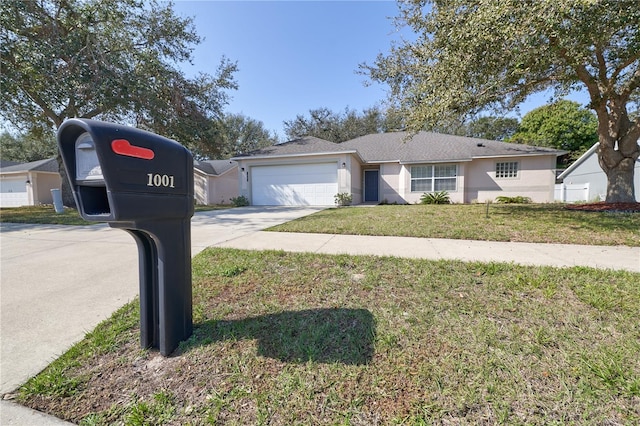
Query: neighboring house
396, 168
28, 184
584, 180
216, 182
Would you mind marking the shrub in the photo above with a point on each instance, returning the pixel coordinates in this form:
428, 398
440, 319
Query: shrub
343, 199
440, 197
240, 201
513, 200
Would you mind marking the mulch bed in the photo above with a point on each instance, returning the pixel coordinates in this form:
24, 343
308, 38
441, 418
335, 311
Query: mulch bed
606, 207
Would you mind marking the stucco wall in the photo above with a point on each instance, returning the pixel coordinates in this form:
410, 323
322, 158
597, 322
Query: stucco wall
356, 177
216, 189
536, 179
224, 187
200, 188
390, 175
42, 186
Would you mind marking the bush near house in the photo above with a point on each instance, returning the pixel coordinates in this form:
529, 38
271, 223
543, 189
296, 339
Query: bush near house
240, 201
440, 197
343, 199
513, 200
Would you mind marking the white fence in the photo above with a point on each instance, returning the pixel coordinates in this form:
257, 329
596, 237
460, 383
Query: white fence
570, 193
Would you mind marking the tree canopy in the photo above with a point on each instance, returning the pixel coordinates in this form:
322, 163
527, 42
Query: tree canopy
31, 146
471, 56
339, 127
108, 59
562, 125
242, 134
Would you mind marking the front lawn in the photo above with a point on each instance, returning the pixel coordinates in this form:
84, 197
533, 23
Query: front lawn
283, 338
533, 223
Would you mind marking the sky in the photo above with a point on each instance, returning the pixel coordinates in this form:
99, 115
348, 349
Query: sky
295, 56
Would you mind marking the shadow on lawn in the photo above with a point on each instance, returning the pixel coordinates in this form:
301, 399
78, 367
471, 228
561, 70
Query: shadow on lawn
318, 335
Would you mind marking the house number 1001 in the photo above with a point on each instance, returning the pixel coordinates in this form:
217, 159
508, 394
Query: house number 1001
160, 180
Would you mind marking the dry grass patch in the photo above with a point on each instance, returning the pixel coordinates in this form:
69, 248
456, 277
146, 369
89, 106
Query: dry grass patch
286, 339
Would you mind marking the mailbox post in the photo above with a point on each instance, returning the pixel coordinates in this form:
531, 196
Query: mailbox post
142, 183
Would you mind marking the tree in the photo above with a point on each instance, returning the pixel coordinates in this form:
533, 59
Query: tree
31, 146
242, 134
562, 125
339, 127
470, 56
107, 59
493, 128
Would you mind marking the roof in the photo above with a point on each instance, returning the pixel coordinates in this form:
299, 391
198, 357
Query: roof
404, 147
5, 163
428, 146
47, 165
308, 145
215, 167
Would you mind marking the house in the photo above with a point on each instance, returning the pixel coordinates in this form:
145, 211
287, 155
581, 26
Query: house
215, 181
396, 168
28, 184
584, 180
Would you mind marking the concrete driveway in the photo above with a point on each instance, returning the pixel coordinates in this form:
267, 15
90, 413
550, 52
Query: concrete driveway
59, 282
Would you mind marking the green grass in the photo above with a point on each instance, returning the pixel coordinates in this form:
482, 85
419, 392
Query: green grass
42, 215
47, 215
534, 223
283, 338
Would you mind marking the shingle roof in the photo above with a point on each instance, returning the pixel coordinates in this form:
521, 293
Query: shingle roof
402, 147
427, 146
47, 165
214, 167
305, 145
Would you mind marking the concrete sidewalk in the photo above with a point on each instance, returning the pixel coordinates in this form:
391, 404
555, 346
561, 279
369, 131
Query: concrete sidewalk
558, 255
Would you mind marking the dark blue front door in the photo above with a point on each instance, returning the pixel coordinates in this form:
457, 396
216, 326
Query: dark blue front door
371, 185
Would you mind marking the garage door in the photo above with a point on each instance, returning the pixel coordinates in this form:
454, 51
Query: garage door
294, 185
13, 192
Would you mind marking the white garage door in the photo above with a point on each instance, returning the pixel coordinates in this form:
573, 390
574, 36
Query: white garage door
294, 185
13, 192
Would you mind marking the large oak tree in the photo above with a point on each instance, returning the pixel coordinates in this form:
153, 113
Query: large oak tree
473, 55
116, 60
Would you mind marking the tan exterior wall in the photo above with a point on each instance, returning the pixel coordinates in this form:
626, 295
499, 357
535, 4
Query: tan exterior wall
224, 187
536, 179
216, 189
42, 186
390, 183
200, 188
357, 180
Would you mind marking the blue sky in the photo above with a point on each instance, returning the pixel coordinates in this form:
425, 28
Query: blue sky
294, 56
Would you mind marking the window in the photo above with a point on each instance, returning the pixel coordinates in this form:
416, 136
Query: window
441, 177
507, 170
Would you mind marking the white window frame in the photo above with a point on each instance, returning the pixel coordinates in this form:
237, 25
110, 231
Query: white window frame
433, 177
507, 169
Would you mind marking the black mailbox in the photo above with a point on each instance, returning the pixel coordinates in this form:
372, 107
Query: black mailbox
142, 183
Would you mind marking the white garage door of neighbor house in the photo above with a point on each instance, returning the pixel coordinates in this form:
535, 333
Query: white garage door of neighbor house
294, 185
13, 192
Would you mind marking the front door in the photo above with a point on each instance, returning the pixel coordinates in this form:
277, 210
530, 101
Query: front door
371, 186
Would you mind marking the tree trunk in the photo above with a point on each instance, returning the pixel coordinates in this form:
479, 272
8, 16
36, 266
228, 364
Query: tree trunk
620, 187
618, 150
67, 194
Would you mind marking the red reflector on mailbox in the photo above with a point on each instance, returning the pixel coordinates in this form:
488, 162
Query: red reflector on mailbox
123, 147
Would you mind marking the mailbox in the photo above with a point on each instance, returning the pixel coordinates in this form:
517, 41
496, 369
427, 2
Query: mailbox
142, 183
